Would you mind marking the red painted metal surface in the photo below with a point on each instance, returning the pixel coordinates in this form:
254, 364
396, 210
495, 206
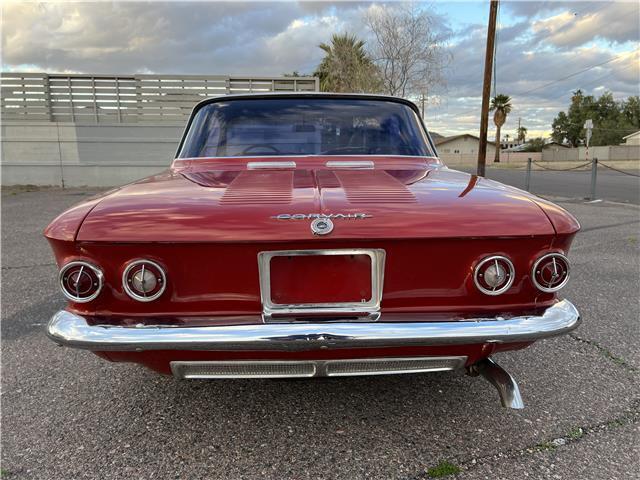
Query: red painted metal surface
222, 201
205, 221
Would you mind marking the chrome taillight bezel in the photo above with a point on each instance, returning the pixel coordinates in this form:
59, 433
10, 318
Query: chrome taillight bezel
506, 286
561, 284
81, 263
133, 294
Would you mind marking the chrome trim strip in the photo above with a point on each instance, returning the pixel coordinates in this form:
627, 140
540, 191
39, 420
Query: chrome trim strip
72, 330
558, 287
270, 165
245, 369
415, 364
314, 368
360, 164
372, 305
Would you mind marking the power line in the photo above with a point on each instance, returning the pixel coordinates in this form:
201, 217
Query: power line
591, 82
617, 57
591, 67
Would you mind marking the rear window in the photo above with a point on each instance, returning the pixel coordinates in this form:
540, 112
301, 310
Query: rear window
305, 126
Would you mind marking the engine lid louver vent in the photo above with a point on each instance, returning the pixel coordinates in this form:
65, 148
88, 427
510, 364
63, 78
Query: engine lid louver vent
261, 187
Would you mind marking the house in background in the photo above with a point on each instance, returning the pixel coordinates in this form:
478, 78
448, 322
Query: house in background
510, 144
633, 139
465, 144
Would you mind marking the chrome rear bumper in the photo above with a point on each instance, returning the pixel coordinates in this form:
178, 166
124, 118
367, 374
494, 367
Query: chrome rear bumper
71, 330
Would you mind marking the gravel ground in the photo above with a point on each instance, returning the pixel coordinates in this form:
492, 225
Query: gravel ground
67, 414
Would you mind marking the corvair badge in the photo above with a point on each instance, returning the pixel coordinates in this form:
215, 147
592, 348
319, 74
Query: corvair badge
322, 223
312, 216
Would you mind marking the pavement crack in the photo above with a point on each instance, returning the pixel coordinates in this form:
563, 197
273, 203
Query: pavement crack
612, 225
17, 267
605, 352
574, 435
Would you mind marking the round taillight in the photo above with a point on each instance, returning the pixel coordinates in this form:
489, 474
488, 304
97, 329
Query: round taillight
81, 281
144, 280
494, 275
550, 272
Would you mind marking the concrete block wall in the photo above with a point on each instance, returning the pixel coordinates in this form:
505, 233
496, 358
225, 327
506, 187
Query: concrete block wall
604, 153
52, 153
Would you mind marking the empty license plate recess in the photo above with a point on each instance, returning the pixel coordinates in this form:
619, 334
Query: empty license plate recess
321, 281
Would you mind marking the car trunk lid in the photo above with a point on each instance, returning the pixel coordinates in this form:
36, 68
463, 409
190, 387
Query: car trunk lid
228, 200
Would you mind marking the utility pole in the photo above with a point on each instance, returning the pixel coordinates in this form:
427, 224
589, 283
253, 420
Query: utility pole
519, 134
486, 88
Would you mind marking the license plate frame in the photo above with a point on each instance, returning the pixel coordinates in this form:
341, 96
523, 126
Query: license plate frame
372, 306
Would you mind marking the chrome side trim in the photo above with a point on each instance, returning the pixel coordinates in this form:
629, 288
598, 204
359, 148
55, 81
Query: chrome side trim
270, 165
360, 164
73, 330
372, 305
313, 368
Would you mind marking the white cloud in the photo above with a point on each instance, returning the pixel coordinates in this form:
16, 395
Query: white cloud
619, 23
539, 43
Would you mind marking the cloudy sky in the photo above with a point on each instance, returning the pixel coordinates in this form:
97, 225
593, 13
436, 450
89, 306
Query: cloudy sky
539, 44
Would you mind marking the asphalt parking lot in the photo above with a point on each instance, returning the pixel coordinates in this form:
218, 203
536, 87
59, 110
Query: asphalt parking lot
68, 415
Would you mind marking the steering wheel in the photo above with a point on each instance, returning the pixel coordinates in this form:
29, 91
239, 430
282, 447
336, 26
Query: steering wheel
260, 145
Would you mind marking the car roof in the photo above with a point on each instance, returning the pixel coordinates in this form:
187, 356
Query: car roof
266, 95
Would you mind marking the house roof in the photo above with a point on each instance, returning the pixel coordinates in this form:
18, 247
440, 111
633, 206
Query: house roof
557, 144
624, 138
435, 136
443, 140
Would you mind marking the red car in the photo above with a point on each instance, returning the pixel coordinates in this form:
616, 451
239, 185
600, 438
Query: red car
307, 234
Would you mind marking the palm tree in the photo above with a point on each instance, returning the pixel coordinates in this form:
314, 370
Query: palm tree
501, 105
522, 134
346, 66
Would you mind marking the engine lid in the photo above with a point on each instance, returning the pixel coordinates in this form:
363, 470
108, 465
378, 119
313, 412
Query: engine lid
233, 200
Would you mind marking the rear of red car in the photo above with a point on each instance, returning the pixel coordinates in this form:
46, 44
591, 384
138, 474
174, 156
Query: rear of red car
362, 255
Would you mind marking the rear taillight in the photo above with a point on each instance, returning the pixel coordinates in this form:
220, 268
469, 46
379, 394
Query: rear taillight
144, 280
494, 275
81, 281
550, 272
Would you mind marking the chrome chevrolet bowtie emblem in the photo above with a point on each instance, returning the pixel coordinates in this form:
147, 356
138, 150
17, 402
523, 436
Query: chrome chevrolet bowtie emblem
321, 226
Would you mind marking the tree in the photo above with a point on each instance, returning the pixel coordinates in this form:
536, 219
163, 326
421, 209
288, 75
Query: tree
534, 145
296, 73
346, 66
408, 48
501, 106
522, 134
612, 119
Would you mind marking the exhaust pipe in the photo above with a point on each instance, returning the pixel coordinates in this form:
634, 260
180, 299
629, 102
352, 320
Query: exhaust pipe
501, 379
